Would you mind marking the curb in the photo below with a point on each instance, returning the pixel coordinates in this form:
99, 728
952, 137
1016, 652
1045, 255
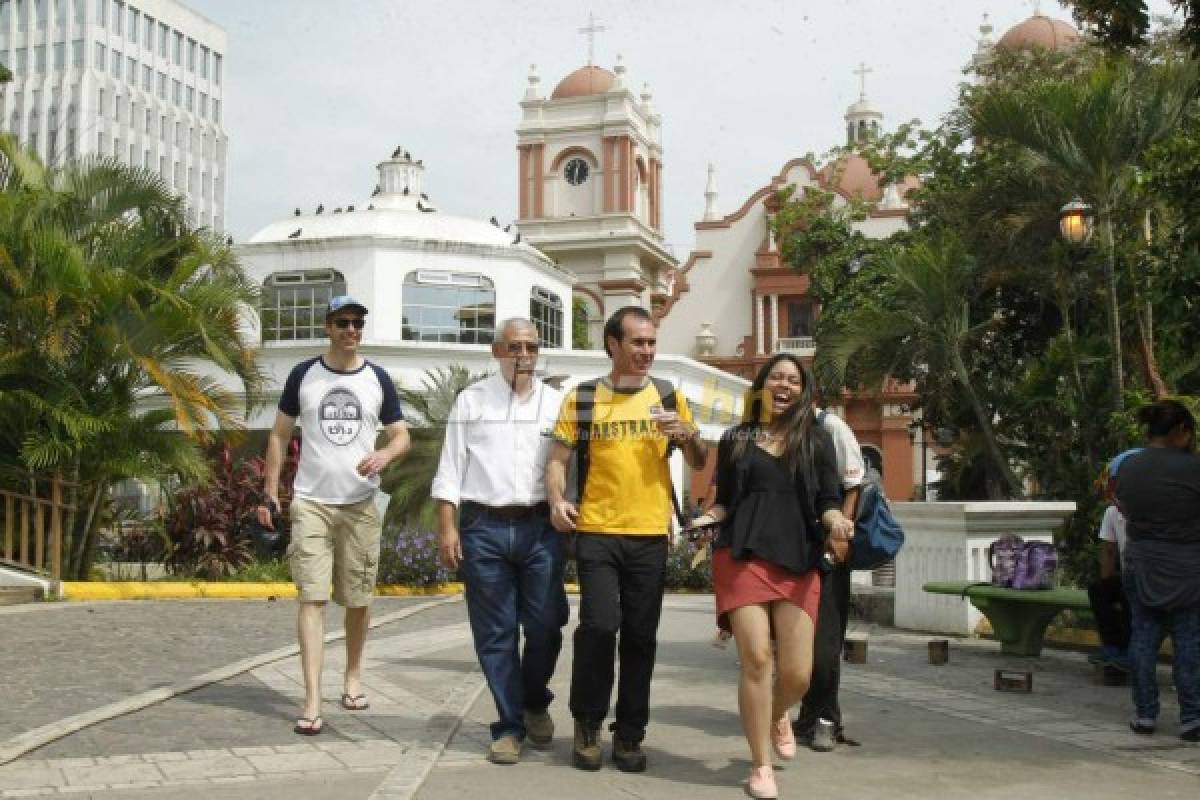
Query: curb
23, 743
199, 590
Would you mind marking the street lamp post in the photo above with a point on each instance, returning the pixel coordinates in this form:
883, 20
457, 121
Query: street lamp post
1076, 222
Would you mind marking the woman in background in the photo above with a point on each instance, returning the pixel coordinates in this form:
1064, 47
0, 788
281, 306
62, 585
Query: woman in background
1159, 494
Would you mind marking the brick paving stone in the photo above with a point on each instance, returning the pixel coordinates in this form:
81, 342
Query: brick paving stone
124, 773
213, 767
293, 762
30, 776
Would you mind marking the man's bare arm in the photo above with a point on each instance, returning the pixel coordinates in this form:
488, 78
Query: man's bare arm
563, 515
277, 442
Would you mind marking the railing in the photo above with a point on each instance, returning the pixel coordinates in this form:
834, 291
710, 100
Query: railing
26, 535
792, 344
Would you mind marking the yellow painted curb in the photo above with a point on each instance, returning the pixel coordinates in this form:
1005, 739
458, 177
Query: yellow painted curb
230, 590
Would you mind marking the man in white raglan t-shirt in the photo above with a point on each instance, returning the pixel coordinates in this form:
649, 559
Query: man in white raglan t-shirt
340, 401
820, 721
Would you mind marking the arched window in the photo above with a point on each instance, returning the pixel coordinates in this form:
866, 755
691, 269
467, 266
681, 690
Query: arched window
449, 307
546, 311
293, 303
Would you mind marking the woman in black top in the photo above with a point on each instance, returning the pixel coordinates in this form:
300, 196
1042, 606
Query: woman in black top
1159, 494
777, 497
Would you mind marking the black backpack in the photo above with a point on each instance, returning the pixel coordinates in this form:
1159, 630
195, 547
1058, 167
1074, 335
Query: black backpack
585, 402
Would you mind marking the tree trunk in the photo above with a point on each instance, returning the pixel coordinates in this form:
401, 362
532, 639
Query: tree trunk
1154, 379
82, 542
985, 426
1114, 313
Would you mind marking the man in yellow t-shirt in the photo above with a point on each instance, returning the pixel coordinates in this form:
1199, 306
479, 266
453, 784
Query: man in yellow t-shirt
621, 523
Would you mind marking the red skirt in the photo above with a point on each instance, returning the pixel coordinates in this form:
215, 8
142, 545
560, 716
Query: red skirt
743, 583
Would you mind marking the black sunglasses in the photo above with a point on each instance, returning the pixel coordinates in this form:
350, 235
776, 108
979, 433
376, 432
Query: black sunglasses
344, 323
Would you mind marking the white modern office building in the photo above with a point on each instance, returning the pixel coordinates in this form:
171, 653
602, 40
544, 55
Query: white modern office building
138, 80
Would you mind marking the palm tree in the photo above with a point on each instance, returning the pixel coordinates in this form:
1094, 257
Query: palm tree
926, 323
410, 481
1085, 138
115, 316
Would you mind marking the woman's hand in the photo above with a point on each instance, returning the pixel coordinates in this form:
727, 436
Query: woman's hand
841, 531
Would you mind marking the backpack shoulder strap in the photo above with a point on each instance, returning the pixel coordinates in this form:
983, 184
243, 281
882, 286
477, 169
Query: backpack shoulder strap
670, 402
821, 417
585, 404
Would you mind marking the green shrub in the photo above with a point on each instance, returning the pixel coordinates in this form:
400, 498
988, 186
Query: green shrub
275, 571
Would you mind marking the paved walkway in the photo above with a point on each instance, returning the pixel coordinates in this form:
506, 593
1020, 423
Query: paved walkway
927, 732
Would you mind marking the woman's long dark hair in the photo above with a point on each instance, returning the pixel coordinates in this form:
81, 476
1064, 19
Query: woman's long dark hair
797, 421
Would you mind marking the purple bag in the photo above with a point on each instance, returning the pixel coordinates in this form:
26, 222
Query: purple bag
1003, 555
1037, 565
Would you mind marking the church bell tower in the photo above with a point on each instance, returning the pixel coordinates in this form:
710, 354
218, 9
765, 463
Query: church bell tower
589, 186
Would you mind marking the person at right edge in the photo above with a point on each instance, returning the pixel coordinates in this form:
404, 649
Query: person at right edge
1159, 493
621, 529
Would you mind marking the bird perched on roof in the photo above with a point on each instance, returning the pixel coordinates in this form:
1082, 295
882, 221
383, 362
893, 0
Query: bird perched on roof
405, 192
378, 191
297, 212
320, 207
407, 157
495, 222
295, 234
229, 241
425, 208
337, 210
518, 239
397, 152
424, 196
506, 227
349, 208
371, 207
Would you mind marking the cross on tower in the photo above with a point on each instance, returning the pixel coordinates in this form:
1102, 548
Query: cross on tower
862, 72
591, 29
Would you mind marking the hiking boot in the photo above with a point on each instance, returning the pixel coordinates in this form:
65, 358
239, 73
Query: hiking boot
539, 728
823, 740
1143, 727
505, 750
587, 753
628, 756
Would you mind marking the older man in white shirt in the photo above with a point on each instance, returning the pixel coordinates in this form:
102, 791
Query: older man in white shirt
494, 523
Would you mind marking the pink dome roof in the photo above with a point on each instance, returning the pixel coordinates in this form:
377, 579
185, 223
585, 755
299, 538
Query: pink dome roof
584, 81
1039, 32
855, 178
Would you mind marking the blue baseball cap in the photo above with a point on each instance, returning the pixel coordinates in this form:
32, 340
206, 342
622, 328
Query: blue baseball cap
1115, 464
336, 304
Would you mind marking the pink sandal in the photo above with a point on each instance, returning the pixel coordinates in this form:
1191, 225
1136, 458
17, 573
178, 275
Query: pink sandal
761, 784
783, 738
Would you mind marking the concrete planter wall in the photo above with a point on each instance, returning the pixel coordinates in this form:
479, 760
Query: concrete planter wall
949, 542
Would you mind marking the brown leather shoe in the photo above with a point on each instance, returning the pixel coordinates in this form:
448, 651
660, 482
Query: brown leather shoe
539, 728
587, 754
505, 750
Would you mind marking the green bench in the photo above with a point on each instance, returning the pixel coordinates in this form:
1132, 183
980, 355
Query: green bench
1019, 617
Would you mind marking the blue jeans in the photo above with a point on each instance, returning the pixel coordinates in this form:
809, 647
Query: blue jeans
1146, 637
513, 571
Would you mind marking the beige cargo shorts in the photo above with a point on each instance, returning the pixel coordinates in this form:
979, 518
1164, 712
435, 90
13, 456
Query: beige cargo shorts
336, 545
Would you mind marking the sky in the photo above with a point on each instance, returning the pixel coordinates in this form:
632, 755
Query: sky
318, 92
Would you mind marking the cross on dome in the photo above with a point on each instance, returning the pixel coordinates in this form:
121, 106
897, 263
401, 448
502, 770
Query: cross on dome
590, 30
862, 72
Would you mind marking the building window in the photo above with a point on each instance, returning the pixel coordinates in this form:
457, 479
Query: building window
203, 61
163, 34
448, 307
217, 68
118, 17
216, 113
546, 311
191, 55
178, 49
116, 64
102, 12
60, 56
77, 54
294, 303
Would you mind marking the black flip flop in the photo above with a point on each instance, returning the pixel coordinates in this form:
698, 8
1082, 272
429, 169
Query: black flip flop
315, 726
350, 702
